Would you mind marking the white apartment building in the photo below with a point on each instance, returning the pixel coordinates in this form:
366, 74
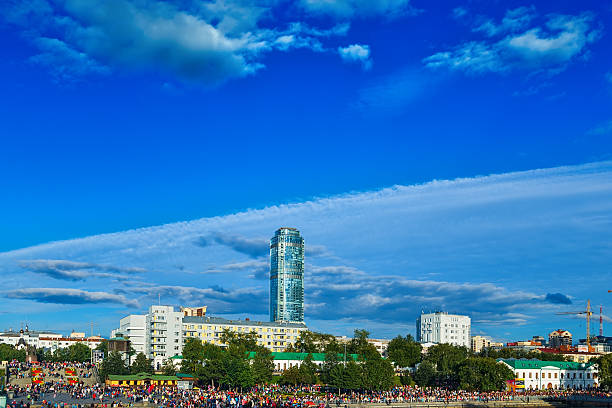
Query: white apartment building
161, 333
555, 375
134, 328
440, 327
157, 334
276, 336
165, 333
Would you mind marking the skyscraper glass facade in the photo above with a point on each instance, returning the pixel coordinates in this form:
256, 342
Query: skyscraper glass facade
287, 276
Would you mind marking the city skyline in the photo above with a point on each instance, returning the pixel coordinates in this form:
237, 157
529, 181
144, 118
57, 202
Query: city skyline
453, 156
349, 282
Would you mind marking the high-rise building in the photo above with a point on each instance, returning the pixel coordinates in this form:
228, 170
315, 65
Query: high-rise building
287, 276
440, 327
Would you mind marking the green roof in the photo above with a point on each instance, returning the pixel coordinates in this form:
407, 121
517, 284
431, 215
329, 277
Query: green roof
538, 364
181, 375
302, 356
142, 376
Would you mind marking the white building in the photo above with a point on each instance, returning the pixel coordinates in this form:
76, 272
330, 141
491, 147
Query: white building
538, 375
134, 328
440, 327
284, 361
47, 340
165, 333
161, 333
157, 334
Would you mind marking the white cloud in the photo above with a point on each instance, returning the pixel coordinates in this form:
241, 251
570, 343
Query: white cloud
357, 53
563, 39
459, 12
68, 296
207, 42
65, 63
360, 8
478, 236
602, 129
514, 20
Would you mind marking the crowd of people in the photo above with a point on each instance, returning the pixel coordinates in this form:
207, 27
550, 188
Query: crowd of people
50, 370
62, 395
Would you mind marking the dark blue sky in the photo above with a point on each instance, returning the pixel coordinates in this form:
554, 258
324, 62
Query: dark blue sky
129, 114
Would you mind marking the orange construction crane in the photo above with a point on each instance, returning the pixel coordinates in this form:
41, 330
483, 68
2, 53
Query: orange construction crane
588, 312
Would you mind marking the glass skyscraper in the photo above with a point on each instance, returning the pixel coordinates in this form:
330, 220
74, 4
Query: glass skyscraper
287, 276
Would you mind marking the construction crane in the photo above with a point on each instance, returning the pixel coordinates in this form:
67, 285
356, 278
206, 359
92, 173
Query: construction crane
588, 312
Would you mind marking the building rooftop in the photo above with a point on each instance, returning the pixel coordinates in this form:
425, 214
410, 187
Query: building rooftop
302, 356
538, 364
253, 323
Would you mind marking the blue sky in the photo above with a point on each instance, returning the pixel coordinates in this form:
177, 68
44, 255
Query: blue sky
208, 118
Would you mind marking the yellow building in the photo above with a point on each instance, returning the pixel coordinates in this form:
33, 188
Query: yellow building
142, 379
272, 335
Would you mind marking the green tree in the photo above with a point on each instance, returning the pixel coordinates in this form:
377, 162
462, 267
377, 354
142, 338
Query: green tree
238, 344
9, 353
262, 366
311, 342
212, 372
113, 364
291, 376
359, 345
404, 351
328, 370
378, 374
353, 376
425, 374
237, 372
483, 374
103, 346
193, 357
308, 371
506, 353
168, 368
605, 371
79, 352
446, 359
141, 364
61, 354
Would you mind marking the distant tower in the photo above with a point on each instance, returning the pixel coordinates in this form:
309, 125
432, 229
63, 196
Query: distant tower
287, 276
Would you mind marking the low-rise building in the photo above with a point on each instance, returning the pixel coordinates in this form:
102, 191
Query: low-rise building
284, 361
47, 341
479, 343
555, 375
54, 343
527, 345
381, 345
559, 338
275, 336
194, 311
441, 327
